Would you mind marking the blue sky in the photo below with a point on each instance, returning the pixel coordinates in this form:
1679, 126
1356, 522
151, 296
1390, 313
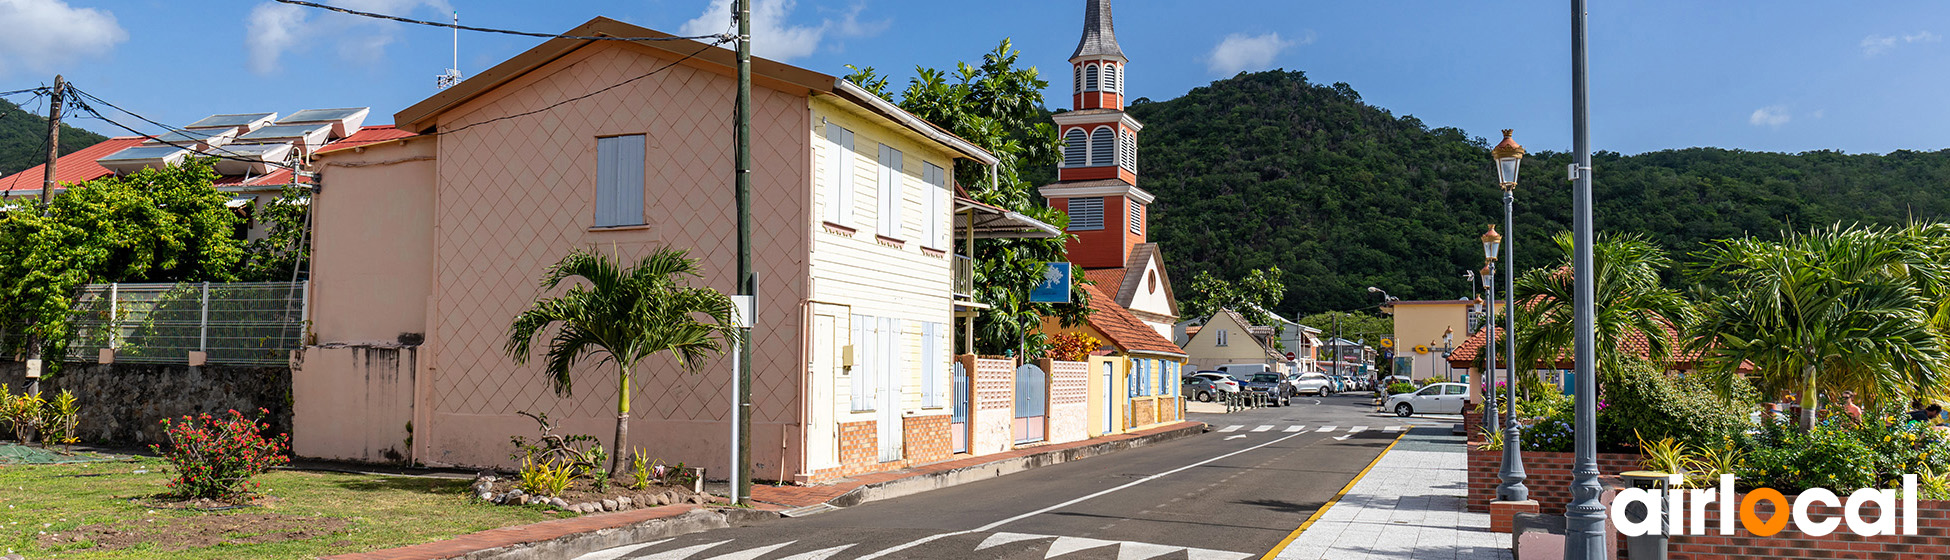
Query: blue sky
1782, 75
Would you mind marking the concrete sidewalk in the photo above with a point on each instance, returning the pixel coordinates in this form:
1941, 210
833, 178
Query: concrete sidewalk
1409, 505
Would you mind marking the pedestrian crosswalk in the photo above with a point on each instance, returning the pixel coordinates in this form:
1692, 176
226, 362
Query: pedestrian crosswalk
984, 545
1301, 428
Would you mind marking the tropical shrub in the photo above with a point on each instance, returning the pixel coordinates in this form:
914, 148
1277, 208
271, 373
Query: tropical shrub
59, 417
1645, 404
22, 413
545, 478
1790, 460
1553, 434
1400, 387
1072, 346
1543, 404
215, 457
639, 470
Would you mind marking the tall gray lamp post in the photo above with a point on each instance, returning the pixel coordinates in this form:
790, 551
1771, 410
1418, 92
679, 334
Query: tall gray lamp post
1584, 518
1491, 241
1509, 157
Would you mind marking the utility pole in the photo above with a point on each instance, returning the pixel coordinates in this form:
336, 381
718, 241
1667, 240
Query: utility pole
741, 476
1337, 344
53, 141
1584, 518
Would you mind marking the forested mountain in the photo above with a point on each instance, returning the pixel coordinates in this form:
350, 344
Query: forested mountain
1269, 169
23, 139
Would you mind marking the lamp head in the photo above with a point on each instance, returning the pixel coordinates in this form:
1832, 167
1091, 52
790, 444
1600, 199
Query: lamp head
1492, 241
1509, 159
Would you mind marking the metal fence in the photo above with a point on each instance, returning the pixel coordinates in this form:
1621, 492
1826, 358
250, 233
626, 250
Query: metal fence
254, 323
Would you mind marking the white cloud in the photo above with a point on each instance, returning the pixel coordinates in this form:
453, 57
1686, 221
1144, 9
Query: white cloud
1240, 52
1773, 116
1878, 44
773, 36
272, 29
42, 34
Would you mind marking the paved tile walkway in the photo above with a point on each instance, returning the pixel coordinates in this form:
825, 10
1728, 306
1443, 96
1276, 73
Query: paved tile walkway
1409, 506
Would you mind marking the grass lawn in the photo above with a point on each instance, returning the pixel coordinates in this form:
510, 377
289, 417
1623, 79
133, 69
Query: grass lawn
46, 509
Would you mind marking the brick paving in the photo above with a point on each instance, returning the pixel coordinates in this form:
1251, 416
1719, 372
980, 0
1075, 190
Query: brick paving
520, 534
1410, 505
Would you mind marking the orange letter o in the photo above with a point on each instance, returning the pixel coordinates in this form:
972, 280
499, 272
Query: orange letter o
1751, 520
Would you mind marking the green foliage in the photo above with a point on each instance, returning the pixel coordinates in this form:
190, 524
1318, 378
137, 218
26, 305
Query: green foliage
639, 470
997, 105
542, 478
22, 413
1833, 309
59, 416
1790, 460
1552, 434
277, 256
1631, 301
1400, 387
1542, 404
1353, 326
1492, 439
622, 316
162, 225
1270, 169
216, 456
1668, 456
1253, 296
23, 139
1644, 404
1712, 462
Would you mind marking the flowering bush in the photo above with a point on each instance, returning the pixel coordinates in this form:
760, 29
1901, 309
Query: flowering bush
1072, 346
215, 457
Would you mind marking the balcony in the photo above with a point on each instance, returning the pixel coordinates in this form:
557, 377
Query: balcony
964, 277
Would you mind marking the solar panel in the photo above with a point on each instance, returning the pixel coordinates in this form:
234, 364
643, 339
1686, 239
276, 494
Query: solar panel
225, 121
285, 131
194, 136
145, 153
249, 150
324, 115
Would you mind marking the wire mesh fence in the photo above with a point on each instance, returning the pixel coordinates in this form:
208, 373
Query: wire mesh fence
254, 323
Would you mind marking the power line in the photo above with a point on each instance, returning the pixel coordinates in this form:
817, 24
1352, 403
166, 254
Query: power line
82, 105
37, 91
659, 70
443, 25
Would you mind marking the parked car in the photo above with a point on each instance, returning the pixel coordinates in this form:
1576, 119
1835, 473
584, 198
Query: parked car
1316, 384
1437, 398
1274, 385
1205, 386
1244, 371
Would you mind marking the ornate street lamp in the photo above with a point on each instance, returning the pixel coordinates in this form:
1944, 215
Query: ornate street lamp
1488, 382
1509, 158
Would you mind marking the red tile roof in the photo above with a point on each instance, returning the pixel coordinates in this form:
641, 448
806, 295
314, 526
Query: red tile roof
75, 167
80, 165
1635, 343
1110, 280
1124, 329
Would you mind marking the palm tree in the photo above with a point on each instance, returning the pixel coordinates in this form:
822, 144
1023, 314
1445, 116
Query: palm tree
623, 316
1830, 309
1631, 302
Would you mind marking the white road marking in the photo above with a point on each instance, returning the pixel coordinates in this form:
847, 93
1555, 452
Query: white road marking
682, 553
1326, 428
618, 552
1066, 545
1232, 428
1393, 429
1230, 438
1142, 551
1196, 554
1343, 438
819, 554
1357, 429
753, 554
1099, 494
1000, 539
1291, 429
1262, 428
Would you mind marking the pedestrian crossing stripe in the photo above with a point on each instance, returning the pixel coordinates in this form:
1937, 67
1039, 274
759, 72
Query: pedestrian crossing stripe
1292, 429
1327, 428
1262, 428
1232, 428
1393, 429
1357, 429
1302, 427
1059, 546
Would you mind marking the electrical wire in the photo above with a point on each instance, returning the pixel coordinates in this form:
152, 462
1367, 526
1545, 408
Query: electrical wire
37, 90
85, 107
444, 25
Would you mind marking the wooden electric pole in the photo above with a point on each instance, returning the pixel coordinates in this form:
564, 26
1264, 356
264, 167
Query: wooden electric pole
741, 480
53, 141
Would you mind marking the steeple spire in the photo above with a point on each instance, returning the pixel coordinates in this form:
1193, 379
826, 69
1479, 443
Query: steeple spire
1099, 33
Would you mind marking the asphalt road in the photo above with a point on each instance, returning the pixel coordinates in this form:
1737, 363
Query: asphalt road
1231, 493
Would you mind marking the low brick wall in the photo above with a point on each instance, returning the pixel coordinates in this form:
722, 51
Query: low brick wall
1547, 475
1932, 539
926, 439
126, 403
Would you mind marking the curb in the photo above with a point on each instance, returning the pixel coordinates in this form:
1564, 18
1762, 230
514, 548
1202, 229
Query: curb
572, 537
955, 477
1277, 549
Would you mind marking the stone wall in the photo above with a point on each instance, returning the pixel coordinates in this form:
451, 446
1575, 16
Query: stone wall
126, 403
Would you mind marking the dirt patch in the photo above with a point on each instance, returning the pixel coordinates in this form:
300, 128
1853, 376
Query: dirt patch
201, 531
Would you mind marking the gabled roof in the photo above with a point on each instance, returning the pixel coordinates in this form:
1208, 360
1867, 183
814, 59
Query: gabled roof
422, 117
1124, 330
367, 136
1125, 285
1635, 343
1246, 326
1099, 32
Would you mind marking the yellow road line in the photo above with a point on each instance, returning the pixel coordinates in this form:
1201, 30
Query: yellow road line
1330, 503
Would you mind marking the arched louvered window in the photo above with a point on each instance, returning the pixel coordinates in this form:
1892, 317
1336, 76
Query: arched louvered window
1076, 148
1110, 78
1103, 147
1090, 78
1127, 150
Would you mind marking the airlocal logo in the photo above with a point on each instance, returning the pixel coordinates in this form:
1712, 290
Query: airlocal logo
1686, 510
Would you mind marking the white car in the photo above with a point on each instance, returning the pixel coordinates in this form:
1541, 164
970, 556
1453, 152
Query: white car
1437, 398
1311, 384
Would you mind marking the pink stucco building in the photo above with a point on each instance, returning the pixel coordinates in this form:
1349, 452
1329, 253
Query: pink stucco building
428, 245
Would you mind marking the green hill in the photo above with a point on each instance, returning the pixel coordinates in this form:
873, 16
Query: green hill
1270, 169
23, 139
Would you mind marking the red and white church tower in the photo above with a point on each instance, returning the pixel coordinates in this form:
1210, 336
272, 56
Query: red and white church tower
1097, 179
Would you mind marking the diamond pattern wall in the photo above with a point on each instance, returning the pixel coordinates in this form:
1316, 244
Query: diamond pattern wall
515, 195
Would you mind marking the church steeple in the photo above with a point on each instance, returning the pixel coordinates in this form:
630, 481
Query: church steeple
1097, 179
1099, 33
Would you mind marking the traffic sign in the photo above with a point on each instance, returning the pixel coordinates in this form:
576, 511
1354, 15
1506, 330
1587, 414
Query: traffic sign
1292, 356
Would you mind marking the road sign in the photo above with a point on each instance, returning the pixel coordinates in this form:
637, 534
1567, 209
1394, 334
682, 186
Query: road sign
1056, 284
1387, 343
1292, 356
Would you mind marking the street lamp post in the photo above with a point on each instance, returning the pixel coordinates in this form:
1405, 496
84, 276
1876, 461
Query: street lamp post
1509, 158
1584, 518
1491, 241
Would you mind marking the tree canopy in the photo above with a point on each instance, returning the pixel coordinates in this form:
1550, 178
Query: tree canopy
23, 139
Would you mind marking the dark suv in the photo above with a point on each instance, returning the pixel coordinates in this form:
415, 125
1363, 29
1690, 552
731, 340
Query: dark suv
1275, 387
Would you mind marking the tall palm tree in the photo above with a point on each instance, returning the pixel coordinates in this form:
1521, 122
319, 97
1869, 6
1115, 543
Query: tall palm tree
1835, 308
622, 317
1631, 301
